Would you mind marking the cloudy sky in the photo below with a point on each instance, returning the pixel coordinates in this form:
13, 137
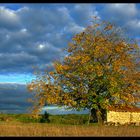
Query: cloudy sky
35, 34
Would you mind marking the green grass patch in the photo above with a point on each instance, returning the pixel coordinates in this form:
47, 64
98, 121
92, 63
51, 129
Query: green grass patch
72, 119
69, 119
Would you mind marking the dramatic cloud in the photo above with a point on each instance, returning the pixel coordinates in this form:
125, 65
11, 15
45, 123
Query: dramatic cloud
134, 26
9, 19
124, 15
13, 98
123, 10
35, 35
83, 13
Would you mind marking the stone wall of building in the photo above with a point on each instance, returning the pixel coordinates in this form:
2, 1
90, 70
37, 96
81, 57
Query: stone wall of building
123, 117
135, 117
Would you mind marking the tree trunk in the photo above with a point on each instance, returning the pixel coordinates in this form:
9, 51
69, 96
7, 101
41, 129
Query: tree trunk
104, 114
89, 117
98, 116
94, 118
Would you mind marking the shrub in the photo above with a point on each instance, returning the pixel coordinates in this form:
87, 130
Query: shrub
45, 118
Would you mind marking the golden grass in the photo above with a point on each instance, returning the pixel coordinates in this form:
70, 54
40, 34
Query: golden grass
37, 129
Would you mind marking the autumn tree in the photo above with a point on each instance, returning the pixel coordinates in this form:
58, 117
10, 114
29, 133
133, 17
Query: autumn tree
99, 70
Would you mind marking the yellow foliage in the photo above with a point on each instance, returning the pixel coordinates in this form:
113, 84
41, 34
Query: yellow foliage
97, 61
85, 59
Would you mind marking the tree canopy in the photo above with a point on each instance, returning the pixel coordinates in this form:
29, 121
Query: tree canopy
101, 69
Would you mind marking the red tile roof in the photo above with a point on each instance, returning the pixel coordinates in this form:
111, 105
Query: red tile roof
124, 109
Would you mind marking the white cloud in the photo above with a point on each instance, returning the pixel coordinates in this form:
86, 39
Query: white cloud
22, 9
41, 46
8, 17
83, 13
65, 12
73, 28
7, 37
127, 10
134, 23
24, 30
8, 14
134, 26
123, 15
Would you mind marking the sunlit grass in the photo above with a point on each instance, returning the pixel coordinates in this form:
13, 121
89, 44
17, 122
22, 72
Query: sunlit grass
61, 125
37, 129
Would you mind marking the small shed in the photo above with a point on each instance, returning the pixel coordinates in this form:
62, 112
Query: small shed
123, 115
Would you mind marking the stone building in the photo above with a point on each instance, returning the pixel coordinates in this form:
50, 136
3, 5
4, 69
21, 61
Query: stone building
125, 115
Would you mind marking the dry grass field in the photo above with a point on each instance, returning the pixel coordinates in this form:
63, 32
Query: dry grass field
60, 125
45, 129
